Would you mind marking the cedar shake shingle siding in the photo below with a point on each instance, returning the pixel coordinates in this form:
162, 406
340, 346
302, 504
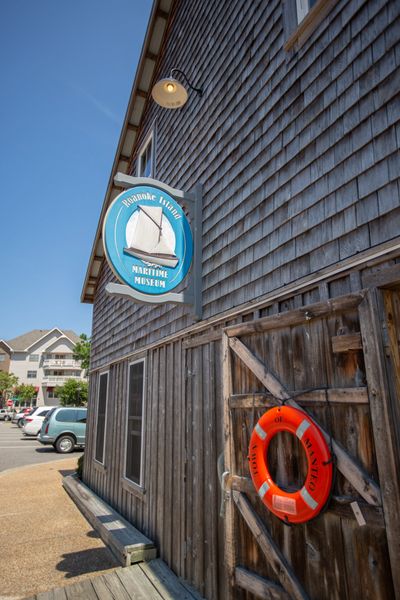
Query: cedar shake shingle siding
297, 152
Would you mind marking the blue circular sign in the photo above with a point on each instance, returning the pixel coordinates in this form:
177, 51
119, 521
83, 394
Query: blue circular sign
147, 240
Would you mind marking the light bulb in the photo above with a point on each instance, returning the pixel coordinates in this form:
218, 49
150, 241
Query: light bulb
170, 87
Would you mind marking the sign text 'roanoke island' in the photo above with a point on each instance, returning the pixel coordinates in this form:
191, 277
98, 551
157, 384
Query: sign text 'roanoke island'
146, 196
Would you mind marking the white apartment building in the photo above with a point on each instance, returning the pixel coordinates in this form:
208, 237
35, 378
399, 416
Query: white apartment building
42, 358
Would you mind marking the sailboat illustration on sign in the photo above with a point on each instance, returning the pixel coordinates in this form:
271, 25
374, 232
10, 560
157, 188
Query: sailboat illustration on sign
148, 242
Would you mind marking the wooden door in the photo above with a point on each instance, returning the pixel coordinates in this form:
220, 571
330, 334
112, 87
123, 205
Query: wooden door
329, 359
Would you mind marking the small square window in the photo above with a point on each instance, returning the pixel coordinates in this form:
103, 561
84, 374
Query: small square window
32, 374
146, 158
301, 18
303, 7
33, 357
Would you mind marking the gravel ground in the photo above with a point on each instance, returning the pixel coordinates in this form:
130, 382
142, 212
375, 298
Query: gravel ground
45, 541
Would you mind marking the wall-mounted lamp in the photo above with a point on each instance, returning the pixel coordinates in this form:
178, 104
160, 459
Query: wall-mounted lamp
170, 93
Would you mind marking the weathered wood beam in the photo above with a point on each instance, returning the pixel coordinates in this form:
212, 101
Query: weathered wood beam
162, 14
132, 127
151, 56
383, 426
229, 457
386, 276
338, 505
270, 549
358, 395
362, 482
296, 317
200, 340
259, 586
391, 309
344, 343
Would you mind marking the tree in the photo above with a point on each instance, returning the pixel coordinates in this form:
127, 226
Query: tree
25, 393
7, 382
82, 351
74, 392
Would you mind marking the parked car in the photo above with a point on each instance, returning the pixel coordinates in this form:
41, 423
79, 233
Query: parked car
19, 416
33, 422
64, 428
5, 414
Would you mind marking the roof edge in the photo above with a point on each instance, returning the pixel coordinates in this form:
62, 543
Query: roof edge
160, 15
5, 344
46, 334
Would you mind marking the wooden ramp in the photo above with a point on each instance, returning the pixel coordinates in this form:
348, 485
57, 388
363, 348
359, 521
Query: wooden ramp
143, 581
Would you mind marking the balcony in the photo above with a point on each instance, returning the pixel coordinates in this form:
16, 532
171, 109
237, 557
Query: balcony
65, 363
53, 380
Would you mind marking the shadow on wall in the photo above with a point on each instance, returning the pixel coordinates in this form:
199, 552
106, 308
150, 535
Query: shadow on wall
87, 561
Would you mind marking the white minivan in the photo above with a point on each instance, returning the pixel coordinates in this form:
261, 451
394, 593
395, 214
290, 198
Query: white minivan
33, 423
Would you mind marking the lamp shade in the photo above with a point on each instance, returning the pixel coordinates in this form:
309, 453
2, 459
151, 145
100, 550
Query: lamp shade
169, 93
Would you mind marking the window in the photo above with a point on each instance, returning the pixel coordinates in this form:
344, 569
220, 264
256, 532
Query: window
146, 158
101, 417
51, 394
33, 357
303, 7
81, 415
2, 357
301, 18
66, 416
134, 431
31, 374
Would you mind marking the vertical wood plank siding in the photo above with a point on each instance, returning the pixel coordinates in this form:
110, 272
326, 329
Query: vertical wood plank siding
298, 155
183, 439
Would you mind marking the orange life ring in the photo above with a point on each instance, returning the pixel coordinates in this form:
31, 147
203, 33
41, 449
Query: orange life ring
307, 502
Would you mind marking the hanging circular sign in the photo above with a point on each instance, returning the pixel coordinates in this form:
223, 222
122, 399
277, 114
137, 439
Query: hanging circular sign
147, 240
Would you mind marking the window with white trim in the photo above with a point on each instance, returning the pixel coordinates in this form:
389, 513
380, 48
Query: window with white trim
135, 423
101, 417
33, 357
2, 357
301, 18
31, 374
303, 7
145, 167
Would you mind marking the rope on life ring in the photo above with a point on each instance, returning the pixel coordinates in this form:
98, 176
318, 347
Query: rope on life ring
306, 503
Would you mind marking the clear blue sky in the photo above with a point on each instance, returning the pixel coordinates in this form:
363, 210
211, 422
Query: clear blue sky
66, 71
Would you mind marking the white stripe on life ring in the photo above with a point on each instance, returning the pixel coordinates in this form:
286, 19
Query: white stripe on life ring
263, 489
309, 500
260, 432
302, 428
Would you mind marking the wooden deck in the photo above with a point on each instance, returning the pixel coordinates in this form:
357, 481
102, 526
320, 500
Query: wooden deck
143, 581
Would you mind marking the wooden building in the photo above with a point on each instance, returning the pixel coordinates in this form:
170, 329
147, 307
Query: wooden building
295, 142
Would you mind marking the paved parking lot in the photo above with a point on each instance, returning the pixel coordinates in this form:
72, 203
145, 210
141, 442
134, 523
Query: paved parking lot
17, 450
